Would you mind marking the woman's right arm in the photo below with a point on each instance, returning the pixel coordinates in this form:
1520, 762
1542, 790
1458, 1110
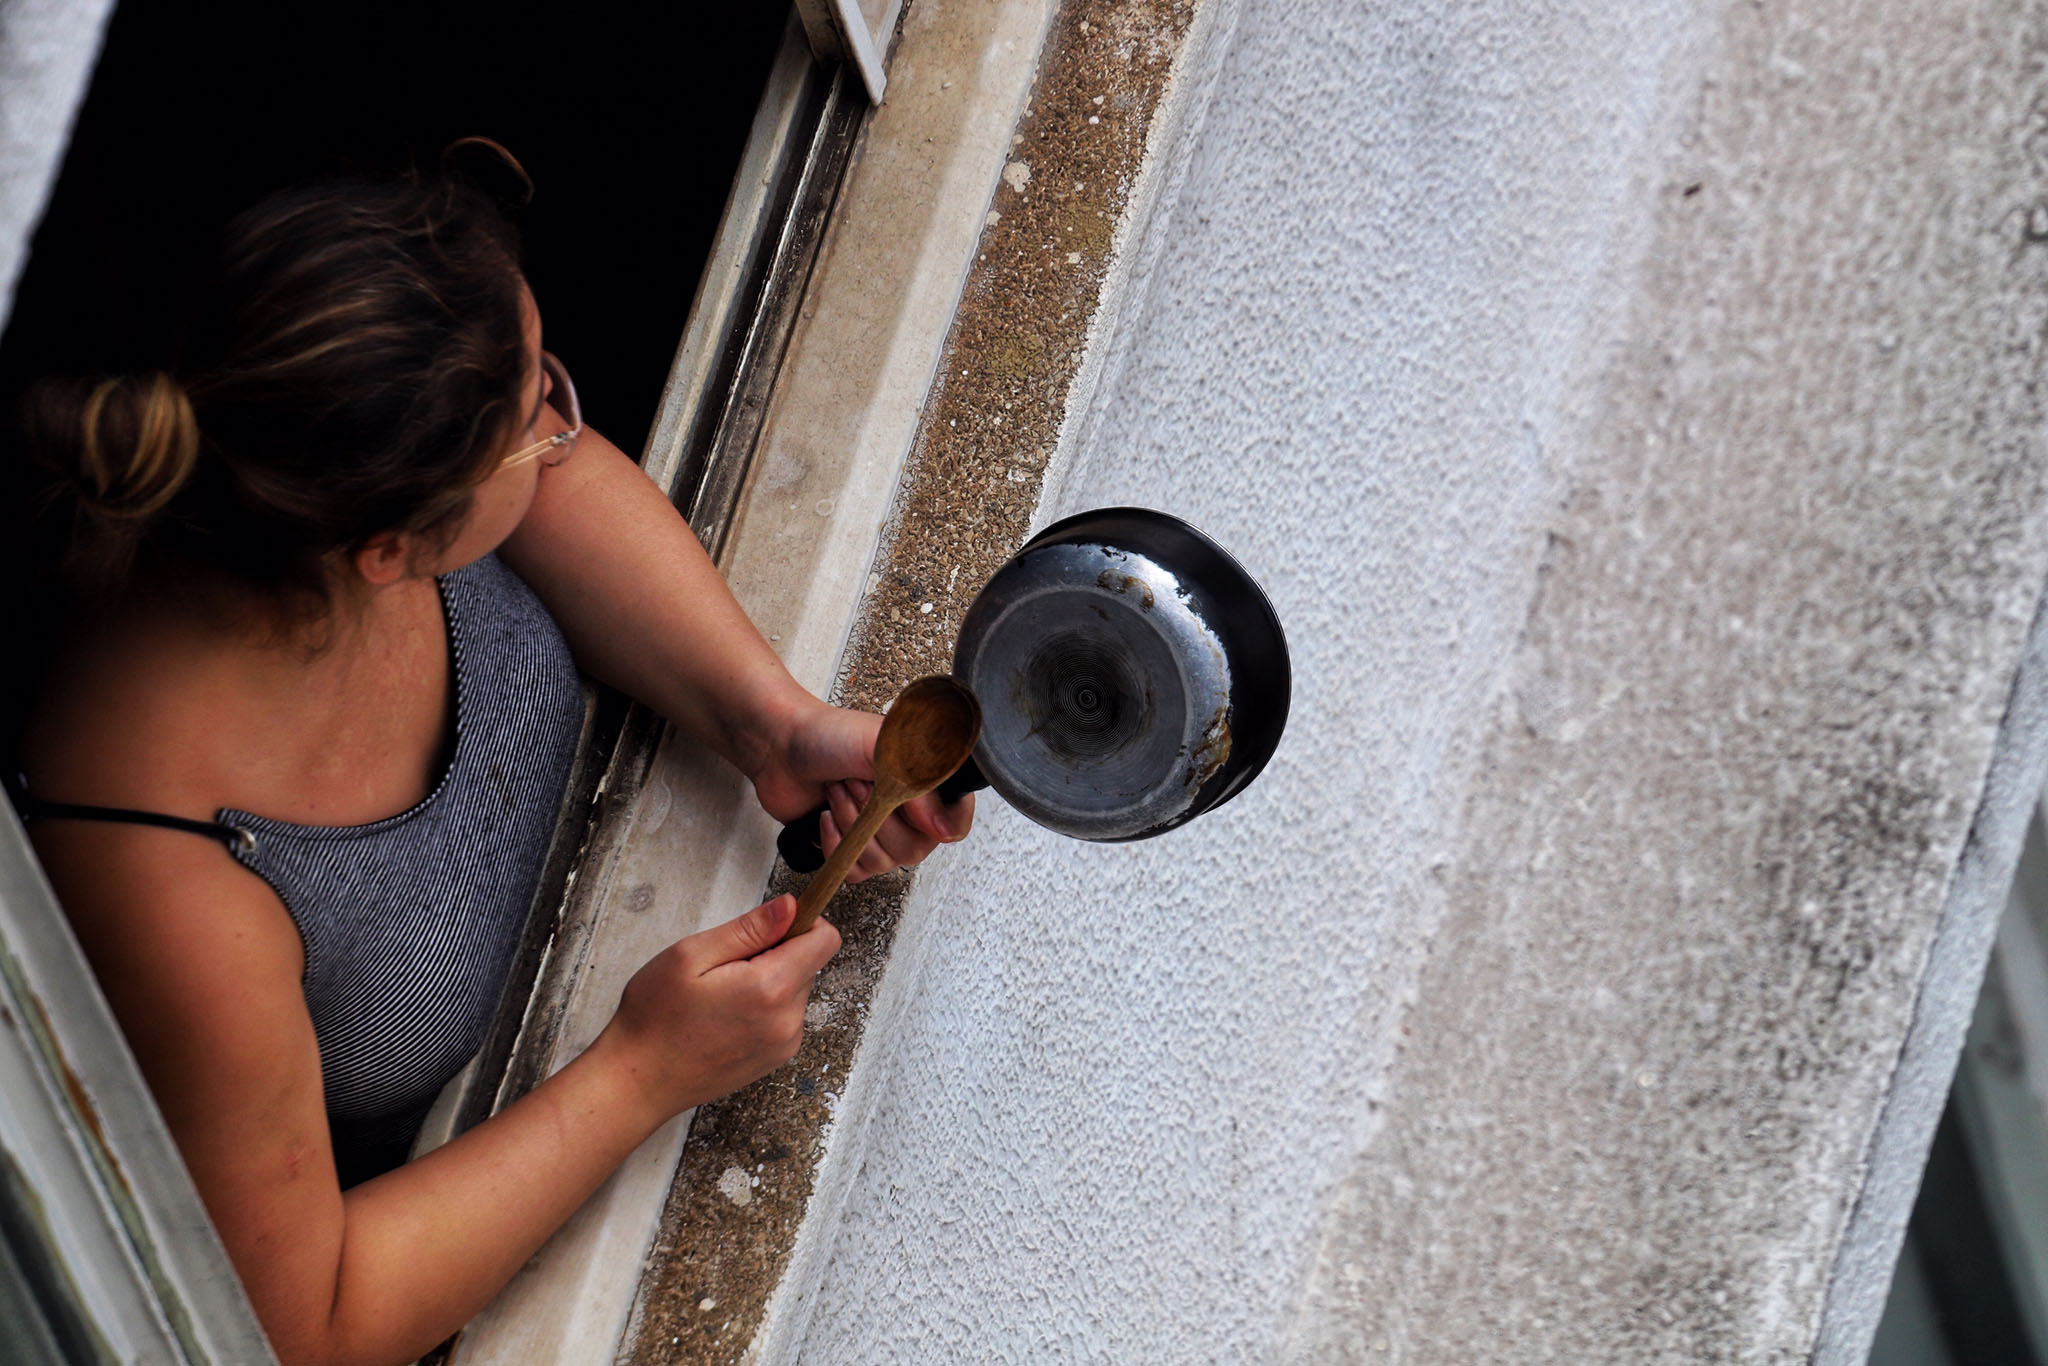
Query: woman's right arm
202, 967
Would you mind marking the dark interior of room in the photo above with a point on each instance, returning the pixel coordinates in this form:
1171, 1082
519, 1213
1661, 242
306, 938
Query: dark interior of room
630, 119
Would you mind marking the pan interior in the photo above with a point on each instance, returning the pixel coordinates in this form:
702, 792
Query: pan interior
1082, 697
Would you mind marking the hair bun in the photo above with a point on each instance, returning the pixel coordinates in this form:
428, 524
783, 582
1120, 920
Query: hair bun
133, 441
104, 457
489, 167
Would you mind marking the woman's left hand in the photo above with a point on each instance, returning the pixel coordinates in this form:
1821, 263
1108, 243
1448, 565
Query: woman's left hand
646, 611
826, 756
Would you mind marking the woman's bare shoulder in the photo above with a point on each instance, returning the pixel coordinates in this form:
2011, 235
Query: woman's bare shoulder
165, 915
121, 721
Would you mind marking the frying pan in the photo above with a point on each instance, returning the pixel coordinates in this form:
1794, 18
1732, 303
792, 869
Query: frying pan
1131, 677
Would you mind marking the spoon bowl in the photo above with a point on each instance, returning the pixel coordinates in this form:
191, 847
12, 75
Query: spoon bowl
930, 730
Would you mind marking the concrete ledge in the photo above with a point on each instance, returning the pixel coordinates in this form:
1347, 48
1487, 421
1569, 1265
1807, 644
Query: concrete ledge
755, 1203
839, 423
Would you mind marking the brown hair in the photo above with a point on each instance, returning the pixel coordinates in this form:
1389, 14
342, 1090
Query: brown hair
354, 366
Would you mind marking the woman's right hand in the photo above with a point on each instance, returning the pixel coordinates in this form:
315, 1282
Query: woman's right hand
713, 1012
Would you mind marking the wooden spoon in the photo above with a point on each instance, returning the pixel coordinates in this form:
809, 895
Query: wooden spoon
929, 731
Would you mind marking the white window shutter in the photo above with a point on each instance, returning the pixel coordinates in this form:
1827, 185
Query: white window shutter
840, 32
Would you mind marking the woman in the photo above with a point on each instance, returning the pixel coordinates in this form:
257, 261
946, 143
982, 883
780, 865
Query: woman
299, 749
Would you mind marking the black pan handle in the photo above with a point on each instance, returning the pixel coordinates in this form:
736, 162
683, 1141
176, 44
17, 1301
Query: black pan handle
966, 778
802, 850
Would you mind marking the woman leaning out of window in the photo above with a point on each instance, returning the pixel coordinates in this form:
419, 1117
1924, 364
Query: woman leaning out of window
300, 742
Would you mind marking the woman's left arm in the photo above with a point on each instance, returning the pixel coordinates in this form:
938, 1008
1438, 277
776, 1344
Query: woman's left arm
646, 611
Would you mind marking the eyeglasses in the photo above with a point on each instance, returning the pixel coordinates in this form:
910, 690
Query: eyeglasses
555, 449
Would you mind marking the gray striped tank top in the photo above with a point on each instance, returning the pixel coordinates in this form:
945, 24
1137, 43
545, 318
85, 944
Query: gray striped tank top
410, 923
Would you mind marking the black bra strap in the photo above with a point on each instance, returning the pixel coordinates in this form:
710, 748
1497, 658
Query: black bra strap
237, 838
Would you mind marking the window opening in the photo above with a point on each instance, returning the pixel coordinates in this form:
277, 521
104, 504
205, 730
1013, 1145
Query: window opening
631, 122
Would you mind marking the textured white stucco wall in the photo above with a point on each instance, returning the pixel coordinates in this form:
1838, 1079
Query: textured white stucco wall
1631, 411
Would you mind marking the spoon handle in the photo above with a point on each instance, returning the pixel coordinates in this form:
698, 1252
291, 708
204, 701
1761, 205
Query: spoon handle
811, 904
